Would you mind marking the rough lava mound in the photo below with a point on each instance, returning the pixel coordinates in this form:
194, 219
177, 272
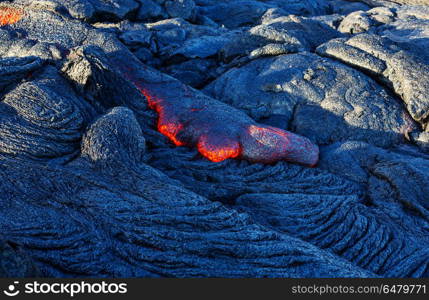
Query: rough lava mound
214, 138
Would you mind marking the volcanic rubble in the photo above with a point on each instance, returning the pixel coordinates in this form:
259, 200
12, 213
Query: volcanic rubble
214, 138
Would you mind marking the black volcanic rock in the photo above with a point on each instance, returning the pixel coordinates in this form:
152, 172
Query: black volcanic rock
184, 9
135, 221
146, 138
278, 36
316, 97
14, 262
400, 67
150, 10
13, 70
42, 118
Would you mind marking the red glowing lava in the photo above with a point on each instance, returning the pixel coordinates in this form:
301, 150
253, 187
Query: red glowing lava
171, 131
165, 125
269, 144
10, 15
220, 151
215, 151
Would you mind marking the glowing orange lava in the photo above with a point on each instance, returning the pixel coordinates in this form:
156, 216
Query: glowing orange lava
165, 126
171, 130
193, 124
10, 15
218, 153
150, 100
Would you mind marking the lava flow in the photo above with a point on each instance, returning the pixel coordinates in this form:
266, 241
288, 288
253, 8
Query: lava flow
218, 151
218, 131
10, 15
212, 148
253, 142
269, 144
165, 125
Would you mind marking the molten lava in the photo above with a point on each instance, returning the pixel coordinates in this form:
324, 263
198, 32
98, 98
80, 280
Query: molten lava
150, 100
10, 15
215, 151
257, 143
211, 127
218, 151
166, 125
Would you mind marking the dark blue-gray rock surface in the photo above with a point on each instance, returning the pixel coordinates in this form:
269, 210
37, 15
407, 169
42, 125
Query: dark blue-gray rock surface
91, 188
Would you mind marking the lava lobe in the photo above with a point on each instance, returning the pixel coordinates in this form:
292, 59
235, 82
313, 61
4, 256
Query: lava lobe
220, 132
